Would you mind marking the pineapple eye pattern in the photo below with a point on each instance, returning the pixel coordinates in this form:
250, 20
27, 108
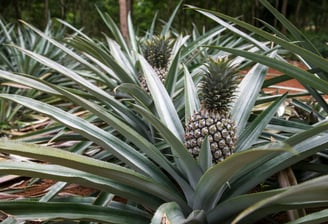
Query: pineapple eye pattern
214, 120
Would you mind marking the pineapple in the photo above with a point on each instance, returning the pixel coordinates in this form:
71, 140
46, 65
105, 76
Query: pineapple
157, 52
214, 120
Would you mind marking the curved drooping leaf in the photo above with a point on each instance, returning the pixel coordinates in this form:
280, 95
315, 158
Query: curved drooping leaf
313, 59
303, 194
119, 148
295, 72
136, 92
29, 210
134, 136
226, 210
112, 171
62, 173
313, 132
310, 57
231, 27
306, 143
216, 179
294, 31
26, 81
94, 90
68, 51
313, 218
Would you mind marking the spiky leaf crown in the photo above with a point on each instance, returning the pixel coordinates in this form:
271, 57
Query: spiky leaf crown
218, 85
157, 52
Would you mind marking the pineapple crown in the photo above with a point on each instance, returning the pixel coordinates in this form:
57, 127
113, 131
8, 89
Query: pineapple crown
157, 52
218, 85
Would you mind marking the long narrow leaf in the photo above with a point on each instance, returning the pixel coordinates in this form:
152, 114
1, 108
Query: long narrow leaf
114, 30
232, 206
132, 35
163, 102
284, 67
53, 191
120, 149
246, 99
230, 27
188, 165
316, 130
205, 156
72, 211
313, 218
194, 48
67, 50
92, 88
310, 57
28, 81
62, 173
149, 149
170, 83
307, 145
253, 131
192, 103
296, 33
120, 58
120, 174
168, 24
310, 191
10, 220
213, 182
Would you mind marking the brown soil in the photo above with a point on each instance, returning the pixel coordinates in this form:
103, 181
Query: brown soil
293, 83
292, 86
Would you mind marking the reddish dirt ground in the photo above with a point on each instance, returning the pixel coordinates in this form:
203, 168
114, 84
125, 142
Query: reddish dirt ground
293, 83
292, 86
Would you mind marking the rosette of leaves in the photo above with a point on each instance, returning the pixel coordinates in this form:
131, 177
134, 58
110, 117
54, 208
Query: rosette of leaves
153, 171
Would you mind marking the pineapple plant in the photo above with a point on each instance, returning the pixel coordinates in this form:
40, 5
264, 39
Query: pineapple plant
127, 148
157, 52
213, 119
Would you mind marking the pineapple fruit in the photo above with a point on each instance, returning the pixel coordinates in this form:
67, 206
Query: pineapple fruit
157, 51
214, 120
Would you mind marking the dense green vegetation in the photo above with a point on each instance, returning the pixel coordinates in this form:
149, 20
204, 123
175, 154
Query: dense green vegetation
82, 13
307, 15
104, 113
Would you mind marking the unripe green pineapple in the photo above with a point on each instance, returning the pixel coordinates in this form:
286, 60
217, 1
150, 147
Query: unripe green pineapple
213, 120
157, 52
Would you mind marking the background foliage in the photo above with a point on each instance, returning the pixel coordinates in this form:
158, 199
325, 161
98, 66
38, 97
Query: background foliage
311, 16
82, 13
